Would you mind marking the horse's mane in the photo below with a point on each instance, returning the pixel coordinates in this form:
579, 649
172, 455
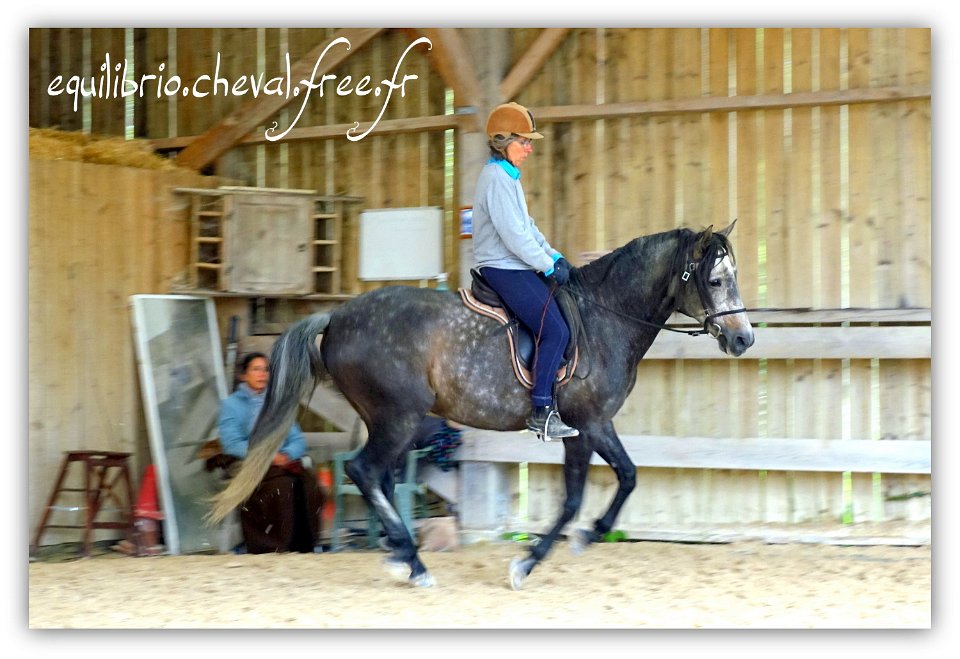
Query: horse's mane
596, 272
634, 255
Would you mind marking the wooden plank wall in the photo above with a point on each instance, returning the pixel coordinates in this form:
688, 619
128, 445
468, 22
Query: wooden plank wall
833, 207
829, 216
97, 235
390, 171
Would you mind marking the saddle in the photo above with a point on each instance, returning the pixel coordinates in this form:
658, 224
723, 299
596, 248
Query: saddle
484, 300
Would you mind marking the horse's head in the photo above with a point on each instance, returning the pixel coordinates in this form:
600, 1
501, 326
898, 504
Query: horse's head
713, 299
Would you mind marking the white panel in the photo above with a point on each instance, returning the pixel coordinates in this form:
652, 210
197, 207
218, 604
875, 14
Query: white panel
401, 243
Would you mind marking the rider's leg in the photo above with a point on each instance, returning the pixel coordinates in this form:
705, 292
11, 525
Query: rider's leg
531, 300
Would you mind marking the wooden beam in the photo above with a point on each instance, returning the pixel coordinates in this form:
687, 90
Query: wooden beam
819, 455
332, 406
863, 534
322, 446
451, 59
805, 343
577, 112
732, 103
241, 122
531, 61
386, 127
443, 483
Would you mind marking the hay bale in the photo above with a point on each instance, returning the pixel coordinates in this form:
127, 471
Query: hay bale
47, 145
51, 144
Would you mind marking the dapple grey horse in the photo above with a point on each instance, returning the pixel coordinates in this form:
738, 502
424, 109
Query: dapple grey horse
400, 353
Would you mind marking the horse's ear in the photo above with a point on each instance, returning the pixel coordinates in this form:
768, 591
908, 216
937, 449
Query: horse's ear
702, 241
726, 232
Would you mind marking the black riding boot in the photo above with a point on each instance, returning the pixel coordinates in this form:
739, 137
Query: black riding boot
546, 422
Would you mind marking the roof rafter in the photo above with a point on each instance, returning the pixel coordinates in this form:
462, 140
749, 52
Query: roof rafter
451, 59
233, 128
531, 61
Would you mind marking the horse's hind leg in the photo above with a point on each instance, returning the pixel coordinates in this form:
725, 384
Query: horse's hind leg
576, 463
609, 447
370, 472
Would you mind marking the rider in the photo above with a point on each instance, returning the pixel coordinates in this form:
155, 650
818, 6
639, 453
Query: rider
511, 253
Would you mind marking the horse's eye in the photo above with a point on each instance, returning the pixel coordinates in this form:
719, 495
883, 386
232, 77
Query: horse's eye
715, 283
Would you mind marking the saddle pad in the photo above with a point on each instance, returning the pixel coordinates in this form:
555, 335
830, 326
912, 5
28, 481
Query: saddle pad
524, 376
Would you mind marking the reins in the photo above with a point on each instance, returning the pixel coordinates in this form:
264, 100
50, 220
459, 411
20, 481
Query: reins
684, 278
643, 321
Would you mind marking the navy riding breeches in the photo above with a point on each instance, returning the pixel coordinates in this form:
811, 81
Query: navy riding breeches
528, 297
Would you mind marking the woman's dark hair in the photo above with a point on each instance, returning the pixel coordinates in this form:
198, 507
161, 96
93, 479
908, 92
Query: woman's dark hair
249, 358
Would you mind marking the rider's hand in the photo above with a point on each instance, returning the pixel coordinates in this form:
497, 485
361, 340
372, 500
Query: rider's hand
561, 271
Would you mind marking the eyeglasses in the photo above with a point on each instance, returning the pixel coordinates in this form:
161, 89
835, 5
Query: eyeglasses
525, 142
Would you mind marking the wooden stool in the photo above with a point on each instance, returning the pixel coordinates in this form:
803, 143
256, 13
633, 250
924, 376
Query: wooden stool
98, 489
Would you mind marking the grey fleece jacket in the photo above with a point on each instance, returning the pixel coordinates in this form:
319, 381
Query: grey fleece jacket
504, 234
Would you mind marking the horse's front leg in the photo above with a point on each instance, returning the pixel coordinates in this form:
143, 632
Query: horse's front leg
609, 447
577, 452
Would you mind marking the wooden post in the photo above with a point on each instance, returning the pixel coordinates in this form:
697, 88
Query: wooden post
485, 496
489, 49
484, 487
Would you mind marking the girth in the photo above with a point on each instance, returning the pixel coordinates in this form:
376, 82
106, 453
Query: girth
484, 300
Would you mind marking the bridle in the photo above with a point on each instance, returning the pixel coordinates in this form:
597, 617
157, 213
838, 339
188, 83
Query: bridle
684, 277
707, 317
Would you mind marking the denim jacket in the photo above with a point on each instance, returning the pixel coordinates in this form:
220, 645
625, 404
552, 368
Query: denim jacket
237, 415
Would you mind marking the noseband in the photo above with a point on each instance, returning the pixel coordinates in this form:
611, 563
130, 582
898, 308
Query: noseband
707, 316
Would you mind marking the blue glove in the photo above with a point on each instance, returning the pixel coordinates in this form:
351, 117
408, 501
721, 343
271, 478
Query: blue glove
561, 271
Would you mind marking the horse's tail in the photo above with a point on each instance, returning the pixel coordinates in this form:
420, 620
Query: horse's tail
296, 367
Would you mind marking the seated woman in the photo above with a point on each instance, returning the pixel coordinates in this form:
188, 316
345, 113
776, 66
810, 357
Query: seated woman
284, 512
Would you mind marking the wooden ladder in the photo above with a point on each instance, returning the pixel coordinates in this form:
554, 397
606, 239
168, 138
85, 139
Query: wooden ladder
207, 244
99, 488
327, 240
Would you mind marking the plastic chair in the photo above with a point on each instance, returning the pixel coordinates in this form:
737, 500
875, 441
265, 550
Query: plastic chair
405, 491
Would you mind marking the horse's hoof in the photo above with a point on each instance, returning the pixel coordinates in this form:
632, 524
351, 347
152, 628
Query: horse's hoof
423, 580
399, 570
519, 570
579, 541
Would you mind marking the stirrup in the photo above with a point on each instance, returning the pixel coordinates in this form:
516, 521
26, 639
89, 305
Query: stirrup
553, 427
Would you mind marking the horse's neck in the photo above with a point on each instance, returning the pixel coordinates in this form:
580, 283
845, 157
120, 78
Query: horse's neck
634, 282
635, 279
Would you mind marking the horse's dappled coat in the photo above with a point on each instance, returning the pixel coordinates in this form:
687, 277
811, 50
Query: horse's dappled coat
400, 352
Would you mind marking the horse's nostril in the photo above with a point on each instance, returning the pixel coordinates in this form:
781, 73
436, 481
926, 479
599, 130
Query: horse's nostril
743, 341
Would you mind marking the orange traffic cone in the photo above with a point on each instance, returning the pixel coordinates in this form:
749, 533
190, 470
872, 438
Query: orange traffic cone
147, 505
147, 513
